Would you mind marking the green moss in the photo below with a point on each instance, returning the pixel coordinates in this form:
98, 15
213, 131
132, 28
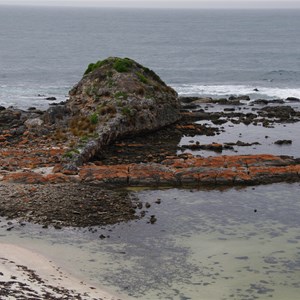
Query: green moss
121, 95
94, 118
153, 75
71, 153
110, 83
84, 139
91, 90
93, 66
126, 111
142, 78
122, 64
119, 102
109, 74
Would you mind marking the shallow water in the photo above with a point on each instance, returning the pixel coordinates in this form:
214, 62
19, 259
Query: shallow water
231, 133
266, 137
241, 243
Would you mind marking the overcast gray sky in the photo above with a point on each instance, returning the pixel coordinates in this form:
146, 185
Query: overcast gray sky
163, 3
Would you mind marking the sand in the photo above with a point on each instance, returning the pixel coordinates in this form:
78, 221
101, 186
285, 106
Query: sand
25, 274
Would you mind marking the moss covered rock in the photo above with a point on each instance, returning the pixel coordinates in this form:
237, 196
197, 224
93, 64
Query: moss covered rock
120, 97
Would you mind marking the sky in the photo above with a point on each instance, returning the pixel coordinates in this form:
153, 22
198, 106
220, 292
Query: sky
162, 3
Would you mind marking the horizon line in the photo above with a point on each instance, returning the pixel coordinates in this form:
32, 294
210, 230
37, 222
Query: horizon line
199, 7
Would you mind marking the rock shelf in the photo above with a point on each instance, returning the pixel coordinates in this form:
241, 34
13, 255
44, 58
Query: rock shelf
186, 170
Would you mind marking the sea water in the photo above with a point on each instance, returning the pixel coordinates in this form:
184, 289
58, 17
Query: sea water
238, 243
218, 53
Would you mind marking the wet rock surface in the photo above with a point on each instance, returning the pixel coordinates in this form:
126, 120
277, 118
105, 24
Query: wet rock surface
76, 205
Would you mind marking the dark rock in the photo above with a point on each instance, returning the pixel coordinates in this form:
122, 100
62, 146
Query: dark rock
188, 99
284, 113
56, 114
277, 101
260, 101
243, 144
58, 103
219, 121
292, 99
256, 90
283, 142
2, 108
153, 219
51, 98
10, 118
230, 101
243, 97
189, 106
266, 102
211, 147
242, 257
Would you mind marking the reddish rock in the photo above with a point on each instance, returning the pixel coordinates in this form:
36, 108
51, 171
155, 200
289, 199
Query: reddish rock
59, 178
25, 177
151, 174
117, 174
221, 170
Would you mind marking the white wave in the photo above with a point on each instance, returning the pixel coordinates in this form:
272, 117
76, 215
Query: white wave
236, 90
23, 96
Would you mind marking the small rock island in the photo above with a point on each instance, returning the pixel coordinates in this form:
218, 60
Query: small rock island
118, 97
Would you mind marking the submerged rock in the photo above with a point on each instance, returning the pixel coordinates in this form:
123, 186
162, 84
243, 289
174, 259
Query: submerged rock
283, 142
118, 97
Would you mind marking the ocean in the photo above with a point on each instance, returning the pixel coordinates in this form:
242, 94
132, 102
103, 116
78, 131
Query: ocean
218, 53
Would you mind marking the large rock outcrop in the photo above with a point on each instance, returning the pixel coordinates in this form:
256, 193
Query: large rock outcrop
118, 97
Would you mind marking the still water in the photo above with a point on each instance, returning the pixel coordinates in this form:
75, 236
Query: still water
239, 243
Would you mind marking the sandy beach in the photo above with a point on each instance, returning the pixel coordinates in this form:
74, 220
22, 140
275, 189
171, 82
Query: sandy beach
28, 275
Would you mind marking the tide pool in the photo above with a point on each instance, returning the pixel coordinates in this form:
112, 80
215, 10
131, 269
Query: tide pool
239, 243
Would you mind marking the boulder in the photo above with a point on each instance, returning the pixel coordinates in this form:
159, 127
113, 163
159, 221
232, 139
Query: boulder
10, 118
33, 123
118, 97
55, 114
292, 99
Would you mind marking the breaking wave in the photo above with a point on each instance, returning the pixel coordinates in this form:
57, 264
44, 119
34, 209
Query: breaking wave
236, 90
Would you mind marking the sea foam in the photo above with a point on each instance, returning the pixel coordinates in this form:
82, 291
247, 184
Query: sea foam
254, 92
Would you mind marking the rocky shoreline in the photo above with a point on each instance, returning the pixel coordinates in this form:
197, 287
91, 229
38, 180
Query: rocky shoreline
124, 127
36, 187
